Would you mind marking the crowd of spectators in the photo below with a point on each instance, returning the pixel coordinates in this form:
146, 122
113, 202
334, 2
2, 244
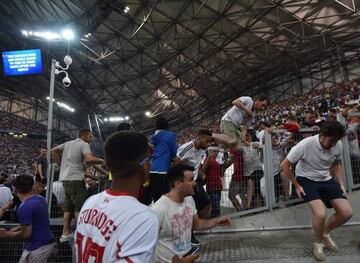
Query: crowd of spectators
336, 98
11, 122
18, 155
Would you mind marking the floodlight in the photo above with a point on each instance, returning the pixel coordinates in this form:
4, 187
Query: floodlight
68, 34
148, 114
48, 35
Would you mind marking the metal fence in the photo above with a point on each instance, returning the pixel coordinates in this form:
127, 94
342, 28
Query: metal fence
244, 182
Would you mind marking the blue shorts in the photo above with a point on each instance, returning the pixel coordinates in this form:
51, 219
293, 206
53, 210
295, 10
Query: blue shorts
324, 190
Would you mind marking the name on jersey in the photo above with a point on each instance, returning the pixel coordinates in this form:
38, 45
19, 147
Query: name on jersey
99, 220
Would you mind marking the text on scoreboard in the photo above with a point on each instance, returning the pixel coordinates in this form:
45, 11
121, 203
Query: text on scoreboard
22, 62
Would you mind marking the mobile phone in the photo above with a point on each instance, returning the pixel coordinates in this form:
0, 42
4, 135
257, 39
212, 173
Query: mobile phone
193, 250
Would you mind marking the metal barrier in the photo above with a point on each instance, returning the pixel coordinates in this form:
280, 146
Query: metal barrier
237, 187
353, 141
11, 250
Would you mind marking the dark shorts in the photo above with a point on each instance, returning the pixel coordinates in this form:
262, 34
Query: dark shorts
256, 177
201, 198
75, 195
237, 188
325, 190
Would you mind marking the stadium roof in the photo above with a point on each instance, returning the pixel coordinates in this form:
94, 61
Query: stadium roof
178, 58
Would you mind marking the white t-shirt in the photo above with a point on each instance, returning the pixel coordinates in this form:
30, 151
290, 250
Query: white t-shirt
118, 228
260, 135
59, 192
72, 160
314, 161
251, 159
189, 155
175, 227
352, 138
278, 153
238, 116
5, 195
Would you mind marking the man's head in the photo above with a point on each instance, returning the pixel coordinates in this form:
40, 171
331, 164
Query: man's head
2, 179
311, 117
23, 184
91, 183
274, 139
261, 103
124, 126
330, 133
332, 115
204, 138
291, 118
86, 135
213, 151
181, 179
126, 155
162, 124
248, 137
38, 187
43, 151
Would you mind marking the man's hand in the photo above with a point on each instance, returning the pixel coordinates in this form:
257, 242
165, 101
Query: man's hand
223, 221
3, 232
343, 188
15, 229
186, 259
249, 112
300, 191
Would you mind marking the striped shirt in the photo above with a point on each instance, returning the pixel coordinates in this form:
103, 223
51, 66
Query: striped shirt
191, 156
59, 192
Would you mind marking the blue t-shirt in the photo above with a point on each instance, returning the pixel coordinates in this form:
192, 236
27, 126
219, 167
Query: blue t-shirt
33, 211
164, 151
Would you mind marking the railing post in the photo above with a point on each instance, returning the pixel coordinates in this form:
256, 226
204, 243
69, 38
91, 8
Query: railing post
268, 172
345, 158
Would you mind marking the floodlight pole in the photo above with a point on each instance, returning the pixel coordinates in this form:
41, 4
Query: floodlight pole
48, 138
50, 116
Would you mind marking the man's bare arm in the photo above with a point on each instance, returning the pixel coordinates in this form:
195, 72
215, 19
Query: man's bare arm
55, 154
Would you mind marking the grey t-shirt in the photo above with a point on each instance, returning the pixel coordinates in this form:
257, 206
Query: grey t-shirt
238, 116
72, 161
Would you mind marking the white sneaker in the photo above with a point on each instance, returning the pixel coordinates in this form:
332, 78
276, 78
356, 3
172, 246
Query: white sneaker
329, 243
66, 238
318, 251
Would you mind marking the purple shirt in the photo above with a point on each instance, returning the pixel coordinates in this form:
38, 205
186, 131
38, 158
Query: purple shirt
33, 211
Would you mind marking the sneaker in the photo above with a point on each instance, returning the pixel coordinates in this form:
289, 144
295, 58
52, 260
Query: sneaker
282, 203
194, 241
330, 244
66, 238
318, 251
